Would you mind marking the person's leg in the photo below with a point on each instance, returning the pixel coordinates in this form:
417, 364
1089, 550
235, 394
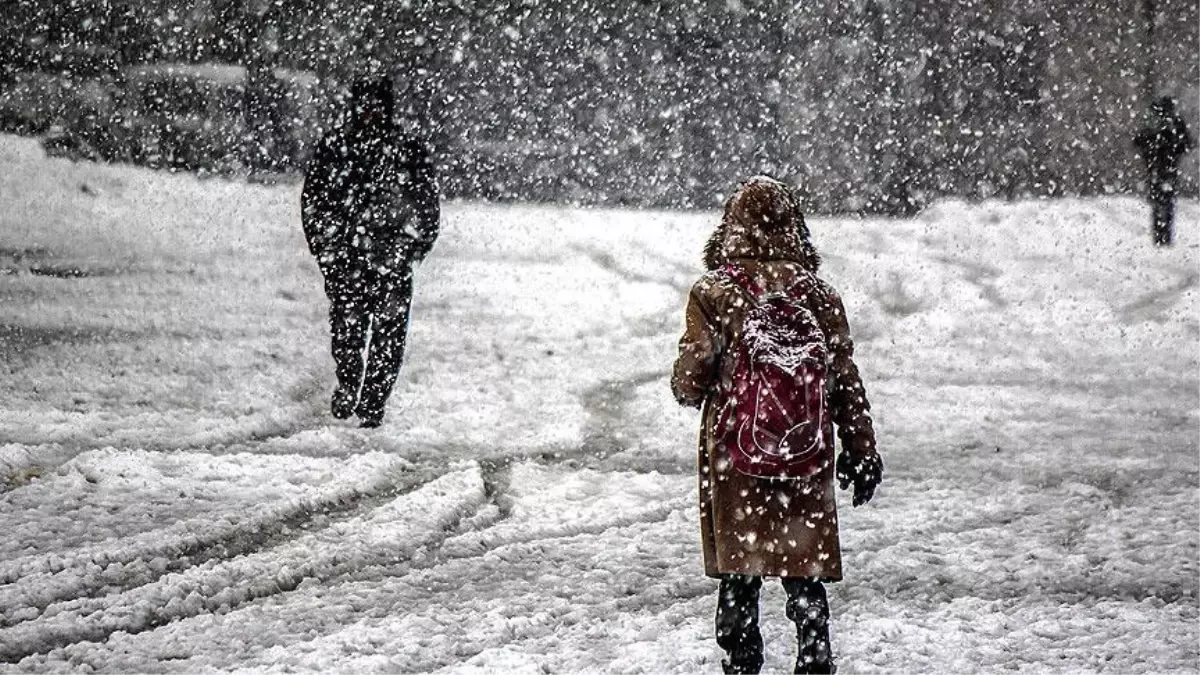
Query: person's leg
1163, 205
808, 608
737, 623
1168, 218
385, 354
348, 331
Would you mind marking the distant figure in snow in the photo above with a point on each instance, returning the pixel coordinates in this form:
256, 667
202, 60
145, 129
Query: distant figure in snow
762, 269
1161, 143
370, 212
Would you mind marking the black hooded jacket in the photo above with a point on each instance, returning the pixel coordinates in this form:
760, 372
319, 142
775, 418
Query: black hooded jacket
370, 201
1161, 144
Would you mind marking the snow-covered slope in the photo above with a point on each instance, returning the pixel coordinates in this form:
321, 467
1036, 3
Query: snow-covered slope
174, 495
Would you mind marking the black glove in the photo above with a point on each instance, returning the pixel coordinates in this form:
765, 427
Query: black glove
865, 474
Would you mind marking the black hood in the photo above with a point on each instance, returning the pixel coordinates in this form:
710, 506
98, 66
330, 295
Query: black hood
374, 97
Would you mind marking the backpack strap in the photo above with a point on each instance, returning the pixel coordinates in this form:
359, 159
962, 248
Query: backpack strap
743, 280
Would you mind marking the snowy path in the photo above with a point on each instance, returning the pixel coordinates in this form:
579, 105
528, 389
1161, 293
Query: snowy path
174, 496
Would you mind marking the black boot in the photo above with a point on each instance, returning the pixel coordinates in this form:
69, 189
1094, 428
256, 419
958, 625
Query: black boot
343, 403
808, 608
737, 624
742, 663
370, 420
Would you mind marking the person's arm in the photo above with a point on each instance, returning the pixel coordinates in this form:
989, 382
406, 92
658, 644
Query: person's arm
1143, 140
317, 212
695, 371
848, 402
410, 213
859, 462
427, 215
1185, 137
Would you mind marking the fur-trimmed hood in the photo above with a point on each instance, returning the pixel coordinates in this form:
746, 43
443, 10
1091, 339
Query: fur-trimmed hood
762, 221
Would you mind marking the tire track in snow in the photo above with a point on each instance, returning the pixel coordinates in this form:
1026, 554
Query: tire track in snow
412, 587
30, 456
460, 555
21, 463
1151, 305
539, 530
606, 405
497, 473
415, 585
607, 402
388, 534
33, 583
607, 261
497, 479
479, 538
678, 279
602, 449
979, 275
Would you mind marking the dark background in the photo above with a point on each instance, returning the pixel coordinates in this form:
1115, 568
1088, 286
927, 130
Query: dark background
868, 105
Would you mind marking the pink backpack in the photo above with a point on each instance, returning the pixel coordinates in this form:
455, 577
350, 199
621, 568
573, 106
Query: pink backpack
774, 417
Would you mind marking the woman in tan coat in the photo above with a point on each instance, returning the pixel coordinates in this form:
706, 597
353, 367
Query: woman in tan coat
753, 527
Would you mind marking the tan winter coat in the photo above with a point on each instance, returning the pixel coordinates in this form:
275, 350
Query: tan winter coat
764, 527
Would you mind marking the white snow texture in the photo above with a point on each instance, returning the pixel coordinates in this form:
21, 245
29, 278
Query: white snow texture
174, 495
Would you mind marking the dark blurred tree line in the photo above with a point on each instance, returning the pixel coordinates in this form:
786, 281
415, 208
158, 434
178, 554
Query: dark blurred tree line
870, 105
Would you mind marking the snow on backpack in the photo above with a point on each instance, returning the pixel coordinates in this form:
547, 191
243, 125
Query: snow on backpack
774, 417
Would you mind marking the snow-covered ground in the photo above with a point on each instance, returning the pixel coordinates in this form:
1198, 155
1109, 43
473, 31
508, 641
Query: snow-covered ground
175, 497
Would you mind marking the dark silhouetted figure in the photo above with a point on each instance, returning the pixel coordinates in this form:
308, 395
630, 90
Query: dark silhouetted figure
370, 211
1161, 143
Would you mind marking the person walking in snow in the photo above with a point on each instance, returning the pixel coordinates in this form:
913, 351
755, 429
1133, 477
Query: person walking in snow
762, 271
1161, 143
370, 211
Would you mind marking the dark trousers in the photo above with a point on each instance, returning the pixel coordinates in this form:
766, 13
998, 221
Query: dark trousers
368, 320
1163, 204
737, 623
